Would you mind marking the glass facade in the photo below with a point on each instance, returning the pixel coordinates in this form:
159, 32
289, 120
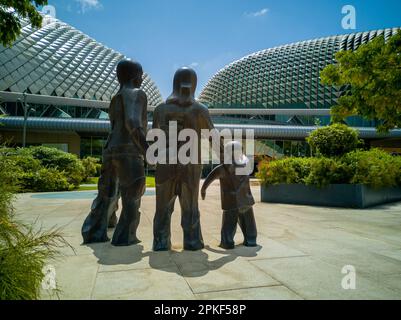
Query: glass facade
278, 149
92, 146
49, 111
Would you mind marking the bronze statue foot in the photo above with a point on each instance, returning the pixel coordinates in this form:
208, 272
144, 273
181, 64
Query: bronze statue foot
161, 245
96, 240
161, 249
126, 244
250, 243
227, 246
121, 239
194, 247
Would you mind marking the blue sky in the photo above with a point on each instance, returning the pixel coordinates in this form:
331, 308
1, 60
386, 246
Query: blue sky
208, 34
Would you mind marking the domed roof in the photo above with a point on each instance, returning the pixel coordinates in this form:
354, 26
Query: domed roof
59, 60
283, 77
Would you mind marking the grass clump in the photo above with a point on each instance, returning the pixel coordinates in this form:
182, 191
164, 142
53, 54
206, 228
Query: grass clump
24, 249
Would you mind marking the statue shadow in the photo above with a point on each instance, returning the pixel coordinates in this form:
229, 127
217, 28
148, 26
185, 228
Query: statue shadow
200, 263
129, 257
184, 263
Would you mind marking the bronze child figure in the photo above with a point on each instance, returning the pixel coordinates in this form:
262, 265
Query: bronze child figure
123, 170
236, 198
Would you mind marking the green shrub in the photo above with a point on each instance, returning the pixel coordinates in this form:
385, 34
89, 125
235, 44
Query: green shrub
42, 169
290, 171
325, 171
45, 180
375, 168
92, 168
24, 166
8, 182
23, 251
26, 163
334, 140
61, 161
397, 165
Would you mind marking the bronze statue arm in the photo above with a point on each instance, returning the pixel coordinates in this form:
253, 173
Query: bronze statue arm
155, 124
217, 173
135, 104
208, 124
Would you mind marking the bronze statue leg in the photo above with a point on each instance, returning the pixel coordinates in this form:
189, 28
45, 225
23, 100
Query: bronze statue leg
229, 228
113, 217
165, 199
190, 217
246, 221
95, 226
131, 174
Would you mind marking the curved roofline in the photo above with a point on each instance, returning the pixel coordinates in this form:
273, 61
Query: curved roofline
55, 20
93, 39
59, 60
288, 45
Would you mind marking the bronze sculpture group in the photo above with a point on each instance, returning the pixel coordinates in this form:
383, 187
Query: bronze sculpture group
123, 170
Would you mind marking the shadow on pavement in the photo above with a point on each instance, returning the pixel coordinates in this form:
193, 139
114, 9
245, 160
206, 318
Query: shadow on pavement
184, 263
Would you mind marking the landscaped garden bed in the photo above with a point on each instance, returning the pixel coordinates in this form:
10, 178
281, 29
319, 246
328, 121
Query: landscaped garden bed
343, 173
334, 195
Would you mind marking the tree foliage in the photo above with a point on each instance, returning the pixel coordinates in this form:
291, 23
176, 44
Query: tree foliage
372, 74
334, 140
11, 13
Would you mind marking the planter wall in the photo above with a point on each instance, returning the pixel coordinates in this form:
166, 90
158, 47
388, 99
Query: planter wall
336, 195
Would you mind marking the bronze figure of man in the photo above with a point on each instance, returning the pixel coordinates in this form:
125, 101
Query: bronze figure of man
123, 162
179, 180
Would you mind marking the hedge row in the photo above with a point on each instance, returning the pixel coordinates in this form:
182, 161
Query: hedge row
42, 169
375, 168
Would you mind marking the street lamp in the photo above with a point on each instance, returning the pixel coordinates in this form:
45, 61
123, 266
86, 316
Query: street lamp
27, 109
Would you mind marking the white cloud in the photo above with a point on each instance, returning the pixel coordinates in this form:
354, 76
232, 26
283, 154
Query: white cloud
87, 5
259, 13
194, 65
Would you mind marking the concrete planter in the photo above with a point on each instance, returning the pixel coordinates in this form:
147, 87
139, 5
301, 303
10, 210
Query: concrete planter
336, 195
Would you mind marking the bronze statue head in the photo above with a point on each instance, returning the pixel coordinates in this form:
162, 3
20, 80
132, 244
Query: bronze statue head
184, 87
233, 152
129, 73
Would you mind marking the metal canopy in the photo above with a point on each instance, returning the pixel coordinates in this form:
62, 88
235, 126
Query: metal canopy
102, 126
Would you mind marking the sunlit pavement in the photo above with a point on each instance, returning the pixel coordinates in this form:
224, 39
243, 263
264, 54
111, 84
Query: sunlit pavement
302, 253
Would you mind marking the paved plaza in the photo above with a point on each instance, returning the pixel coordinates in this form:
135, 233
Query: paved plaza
301, 255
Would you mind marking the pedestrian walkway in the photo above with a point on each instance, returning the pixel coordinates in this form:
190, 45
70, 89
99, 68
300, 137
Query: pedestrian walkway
302, 252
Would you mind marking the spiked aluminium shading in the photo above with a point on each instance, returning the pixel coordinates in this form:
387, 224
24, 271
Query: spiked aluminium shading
283, 77
59, 60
